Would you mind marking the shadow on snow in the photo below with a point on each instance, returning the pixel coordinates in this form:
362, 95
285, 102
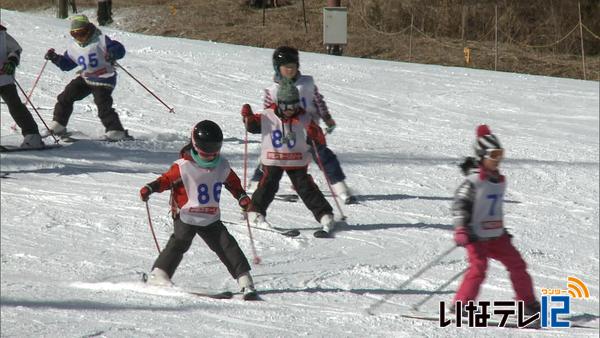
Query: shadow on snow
84, 305
355, 291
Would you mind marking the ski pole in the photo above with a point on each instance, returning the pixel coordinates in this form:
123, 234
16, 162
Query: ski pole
245, 155
327, 180
171, 110
36, 111
152, 228
412, 278
32, 88
256, 258
455, 277
37, 79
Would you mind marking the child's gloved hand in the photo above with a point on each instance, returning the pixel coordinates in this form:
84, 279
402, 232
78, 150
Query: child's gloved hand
9, 66
245, 202
330, 126
51, 55
461, 236
247, 110
145, 193
110, 57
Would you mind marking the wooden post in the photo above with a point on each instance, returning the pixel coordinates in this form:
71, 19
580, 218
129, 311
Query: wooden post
412, 20
304, 13
496, 40
73, 6
556, 29
62, 10
264, 11
581, 35
463, 24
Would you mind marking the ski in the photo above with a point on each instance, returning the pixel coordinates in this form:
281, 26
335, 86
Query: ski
215, 295
75, 136
284, 232
11, 149
287, 197
251, 296
351, 200
340, 223
321, 234
218, 295
72, 139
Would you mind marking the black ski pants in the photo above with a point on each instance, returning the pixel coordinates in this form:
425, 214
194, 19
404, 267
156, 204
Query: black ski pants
303, 184
17, 110
77, 90
214, 235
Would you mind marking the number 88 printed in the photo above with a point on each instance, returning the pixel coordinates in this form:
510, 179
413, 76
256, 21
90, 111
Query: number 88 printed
277, 140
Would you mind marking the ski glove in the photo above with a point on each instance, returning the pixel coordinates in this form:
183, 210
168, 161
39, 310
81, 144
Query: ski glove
145, 192
316, 133
245, 202
468, 164
330, 126
110, 56
9, 66
247, 110
461, 236
51, 55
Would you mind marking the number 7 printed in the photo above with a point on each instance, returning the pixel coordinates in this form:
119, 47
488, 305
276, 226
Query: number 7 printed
494, 198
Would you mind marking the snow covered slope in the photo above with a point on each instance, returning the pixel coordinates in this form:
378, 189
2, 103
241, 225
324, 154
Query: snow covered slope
75, 236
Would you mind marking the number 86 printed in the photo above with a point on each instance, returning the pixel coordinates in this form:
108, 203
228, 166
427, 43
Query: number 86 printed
203, 193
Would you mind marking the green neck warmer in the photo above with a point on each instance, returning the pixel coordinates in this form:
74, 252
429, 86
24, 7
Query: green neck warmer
203, 163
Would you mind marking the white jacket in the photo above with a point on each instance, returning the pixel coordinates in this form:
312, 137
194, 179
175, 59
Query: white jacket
8, 48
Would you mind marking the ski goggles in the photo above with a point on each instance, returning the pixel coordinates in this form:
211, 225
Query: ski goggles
80, 33
494, 154
283, 106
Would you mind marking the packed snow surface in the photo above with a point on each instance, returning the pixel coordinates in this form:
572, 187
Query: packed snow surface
75, 235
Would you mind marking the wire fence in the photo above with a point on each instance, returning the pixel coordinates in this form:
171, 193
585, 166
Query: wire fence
491, 44
466, 46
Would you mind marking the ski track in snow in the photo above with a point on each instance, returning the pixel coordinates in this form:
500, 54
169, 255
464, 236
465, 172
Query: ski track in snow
75, 236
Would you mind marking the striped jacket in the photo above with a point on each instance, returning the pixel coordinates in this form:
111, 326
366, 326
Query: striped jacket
478, 204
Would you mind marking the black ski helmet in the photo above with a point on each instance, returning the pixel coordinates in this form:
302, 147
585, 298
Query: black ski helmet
207, 137
284, 55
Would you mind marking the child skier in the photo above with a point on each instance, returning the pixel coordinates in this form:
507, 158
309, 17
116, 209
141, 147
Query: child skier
286, 63
95, 53
10, 53
195, 181
479, 227
285, 127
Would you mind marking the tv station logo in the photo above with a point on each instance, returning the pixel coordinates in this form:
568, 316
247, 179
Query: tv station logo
555, 304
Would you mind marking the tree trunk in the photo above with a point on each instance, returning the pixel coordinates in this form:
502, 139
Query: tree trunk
63, 9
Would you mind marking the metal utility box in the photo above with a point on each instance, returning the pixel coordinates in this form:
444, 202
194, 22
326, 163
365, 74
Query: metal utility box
335, 25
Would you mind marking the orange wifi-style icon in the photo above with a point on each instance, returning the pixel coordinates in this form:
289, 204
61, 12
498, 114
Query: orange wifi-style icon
576, 288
